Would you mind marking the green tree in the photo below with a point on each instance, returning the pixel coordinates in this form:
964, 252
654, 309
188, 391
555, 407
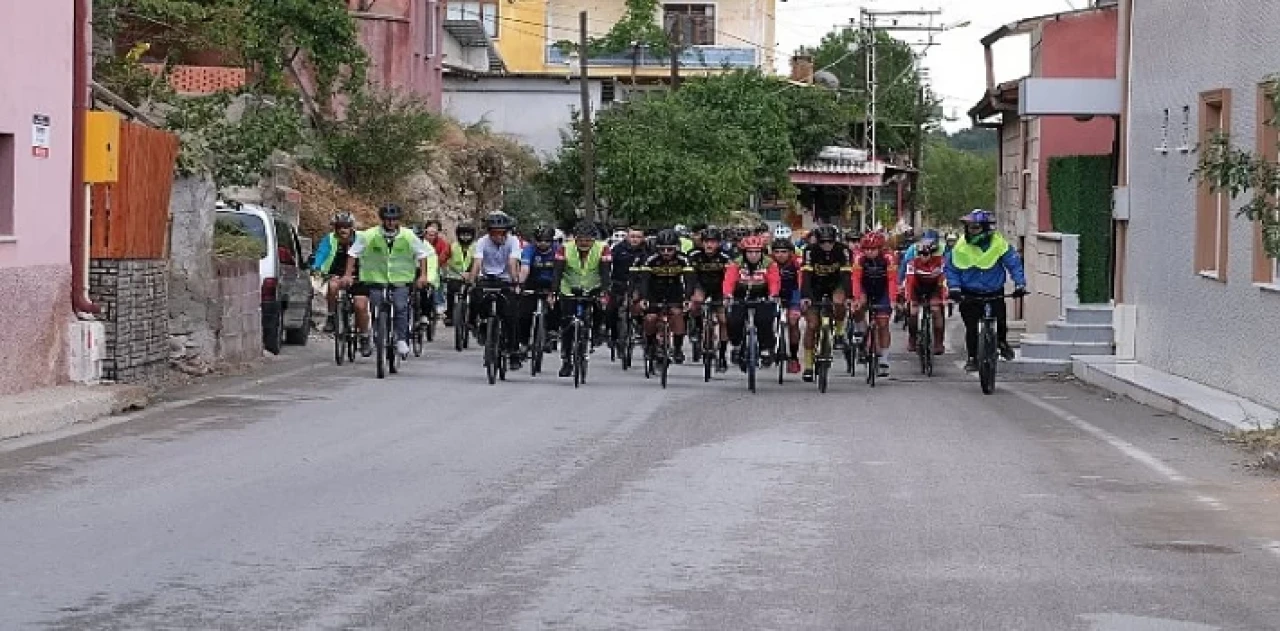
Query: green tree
749, 102
815, 119
382, 140
953, 182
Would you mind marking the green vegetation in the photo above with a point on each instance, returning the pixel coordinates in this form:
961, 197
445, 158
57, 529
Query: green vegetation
231, 241
953, 182
381, 141
1080, 193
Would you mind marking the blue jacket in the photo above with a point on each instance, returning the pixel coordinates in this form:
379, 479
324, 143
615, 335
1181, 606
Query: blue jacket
902, 265
322, 253
987, 281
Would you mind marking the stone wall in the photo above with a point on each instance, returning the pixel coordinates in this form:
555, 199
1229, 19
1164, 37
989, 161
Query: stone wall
193, 309
134, 297
33, 341
238, 328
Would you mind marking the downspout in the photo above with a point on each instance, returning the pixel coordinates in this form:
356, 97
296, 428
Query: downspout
80, 301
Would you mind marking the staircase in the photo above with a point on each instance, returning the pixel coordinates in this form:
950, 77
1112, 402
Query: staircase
1086, 330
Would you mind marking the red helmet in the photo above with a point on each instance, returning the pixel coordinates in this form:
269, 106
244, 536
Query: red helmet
752, 243
873, 241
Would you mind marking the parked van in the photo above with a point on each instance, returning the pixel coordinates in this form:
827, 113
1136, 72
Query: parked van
286, 282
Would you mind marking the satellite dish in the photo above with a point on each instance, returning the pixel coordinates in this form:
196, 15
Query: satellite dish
826, 80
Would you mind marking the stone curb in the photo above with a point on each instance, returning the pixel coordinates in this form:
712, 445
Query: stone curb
50, 409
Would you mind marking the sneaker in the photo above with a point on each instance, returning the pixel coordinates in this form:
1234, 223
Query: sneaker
366, 346
1006, 351
939, 349
766, 358
514, 362
424, 320
970, 365
884, 368
678, 356
402, 347
722, 366
566, 369
793, 367
808, 375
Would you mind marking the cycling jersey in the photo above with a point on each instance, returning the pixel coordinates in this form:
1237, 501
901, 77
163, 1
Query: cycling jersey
825, 272
875, 277
747, 281
542, 266
665, 280
625, 259
708, 270
926, 276
789, 276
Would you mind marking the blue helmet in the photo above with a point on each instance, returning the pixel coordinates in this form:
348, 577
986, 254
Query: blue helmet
928, 242
979, 216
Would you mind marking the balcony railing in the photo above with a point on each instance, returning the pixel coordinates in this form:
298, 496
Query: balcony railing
696, 57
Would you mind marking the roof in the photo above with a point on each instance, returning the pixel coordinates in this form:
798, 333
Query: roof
1004, 98
1027, 25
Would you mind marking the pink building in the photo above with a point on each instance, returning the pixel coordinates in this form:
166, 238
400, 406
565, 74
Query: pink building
36, 71
404, 40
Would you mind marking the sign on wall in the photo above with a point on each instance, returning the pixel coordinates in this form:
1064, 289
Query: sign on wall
40, 136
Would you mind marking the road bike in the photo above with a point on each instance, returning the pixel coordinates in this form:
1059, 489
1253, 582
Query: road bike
423, 332
988, 342
624, 340
924, 338
780, 354
345, 339
538, 330
824, 344
658, 359
580, 307
494, 327
751, 342
461, 313
709, 337
384, 336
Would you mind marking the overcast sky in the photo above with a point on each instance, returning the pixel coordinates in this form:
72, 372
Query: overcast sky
955, 64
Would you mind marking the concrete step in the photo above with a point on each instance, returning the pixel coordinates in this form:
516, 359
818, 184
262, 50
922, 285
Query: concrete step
1039, 347
1089, 314
1033, 367
1060, 331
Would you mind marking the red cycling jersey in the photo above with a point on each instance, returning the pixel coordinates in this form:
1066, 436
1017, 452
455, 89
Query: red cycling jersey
925, 276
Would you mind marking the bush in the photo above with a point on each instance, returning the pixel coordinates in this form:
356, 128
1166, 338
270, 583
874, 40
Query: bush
1080, 192
235, 150
383, 139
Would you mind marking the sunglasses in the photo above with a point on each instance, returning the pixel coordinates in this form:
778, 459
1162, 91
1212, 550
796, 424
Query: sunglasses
667, 249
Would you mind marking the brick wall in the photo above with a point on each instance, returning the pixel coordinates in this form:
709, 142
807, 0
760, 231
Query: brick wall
239, 315
134, 296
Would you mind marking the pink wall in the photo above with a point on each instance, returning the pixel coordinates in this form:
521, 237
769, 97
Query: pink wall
35, 78
396, 40
1074, 47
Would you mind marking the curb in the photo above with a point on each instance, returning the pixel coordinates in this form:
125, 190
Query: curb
55, 408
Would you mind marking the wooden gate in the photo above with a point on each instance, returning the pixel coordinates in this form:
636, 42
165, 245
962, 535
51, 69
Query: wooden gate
129, 219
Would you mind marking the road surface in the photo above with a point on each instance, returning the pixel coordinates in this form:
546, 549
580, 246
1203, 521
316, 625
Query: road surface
322, 498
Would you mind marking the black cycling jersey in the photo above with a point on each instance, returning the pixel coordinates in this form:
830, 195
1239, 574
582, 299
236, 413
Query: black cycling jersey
708, 271
825, 272
665, 280
625, 261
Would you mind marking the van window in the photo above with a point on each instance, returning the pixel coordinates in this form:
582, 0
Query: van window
289, 254
235, 234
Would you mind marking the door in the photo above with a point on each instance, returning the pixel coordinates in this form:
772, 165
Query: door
295, 285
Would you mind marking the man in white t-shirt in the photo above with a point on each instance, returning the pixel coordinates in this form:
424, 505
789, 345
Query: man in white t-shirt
496, 263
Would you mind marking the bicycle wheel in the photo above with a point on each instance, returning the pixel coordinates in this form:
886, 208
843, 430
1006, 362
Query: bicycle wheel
460, 324
501, 332
708, 352
348, 316
575, 338
822, 364
433, 314
379, 332
626, 337
924, 343
873, 361
987, 358
695, 339
752, 357
418, 335
537, 345
340, 335
389, 334
491, 351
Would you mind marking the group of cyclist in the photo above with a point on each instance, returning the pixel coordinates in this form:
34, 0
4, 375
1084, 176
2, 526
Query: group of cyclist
675, 272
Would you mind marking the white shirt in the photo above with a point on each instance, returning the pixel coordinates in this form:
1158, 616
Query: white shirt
494, 258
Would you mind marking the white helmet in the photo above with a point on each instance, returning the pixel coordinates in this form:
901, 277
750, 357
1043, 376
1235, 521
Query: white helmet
782, 232
559, 235
618, 235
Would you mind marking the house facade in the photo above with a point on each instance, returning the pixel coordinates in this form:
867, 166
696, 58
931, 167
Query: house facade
405, 42
1071, 45
1196, 294
35, 192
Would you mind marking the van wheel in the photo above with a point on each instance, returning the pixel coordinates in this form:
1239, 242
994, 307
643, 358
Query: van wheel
298, 336
273, 330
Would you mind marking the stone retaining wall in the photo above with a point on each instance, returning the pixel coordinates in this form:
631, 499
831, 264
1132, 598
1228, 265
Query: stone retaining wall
134, 296
238, 328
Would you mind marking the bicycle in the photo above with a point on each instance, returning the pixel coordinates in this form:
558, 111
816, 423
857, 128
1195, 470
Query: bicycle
988, 342
495, 359
751, 343
822, 357
625, 334
538, 332
708, 337
780, 351
871, 347
924, 339
345, 340
461, 311
384, 337
658, 359
424, 331
580, 306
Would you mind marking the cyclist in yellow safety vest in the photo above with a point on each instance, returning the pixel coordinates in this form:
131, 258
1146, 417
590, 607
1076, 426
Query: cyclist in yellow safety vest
582, 266
979, 266
390, 256
459, 264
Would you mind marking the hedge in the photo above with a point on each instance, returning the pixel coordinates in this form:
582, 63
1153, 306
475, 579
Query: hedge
1080, 193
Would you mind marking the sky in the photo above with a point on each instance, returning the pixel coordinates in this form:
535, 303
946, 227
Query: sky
956, 68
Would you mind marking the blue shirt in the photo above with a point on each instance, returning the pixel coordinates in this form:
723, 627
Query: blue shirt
542, 266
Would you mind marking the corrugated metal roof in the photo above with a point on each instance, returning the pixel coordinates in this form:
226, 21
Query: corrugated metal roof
840, 167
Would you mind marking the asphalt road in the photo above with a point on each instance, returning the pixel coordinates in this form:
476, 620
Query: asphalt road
319, 497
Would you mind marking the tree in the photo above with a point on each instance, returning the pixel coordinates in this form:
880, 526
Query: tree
815, 119
953, 182
381, 141
751, 103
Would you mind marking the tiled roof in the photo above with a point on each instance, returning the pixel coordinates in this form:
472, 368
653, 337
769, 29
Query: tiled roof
203, 79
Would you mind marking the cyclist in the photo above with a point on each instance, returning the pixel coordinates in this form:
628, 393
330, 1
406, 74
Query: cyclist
444, 251
788, 266
952, 238
389, 255
665, 278
709, 266
538, 264
584, 265
875, 290
330, 261
496, 264
754, 277
979, 265
925, 285
825, 275
459, 264
625, 258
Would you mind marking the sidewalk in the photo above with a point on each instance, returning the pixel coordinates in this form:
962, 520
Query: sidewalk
48, 409
1205, 406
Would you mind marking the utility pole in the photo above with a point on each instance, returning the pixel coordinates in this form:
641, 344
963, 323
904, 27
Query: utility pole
677, 41
588, 143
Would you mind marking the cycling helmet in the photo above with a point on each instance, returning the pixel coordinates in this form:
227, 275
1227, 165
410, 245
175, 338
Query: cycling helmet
585, 229
682, 230
390, 211
752, 243
712, 234
667, 239
762, 228
465, 228
343, 219
952, 237
782, 232
873, 241
826, 233
499, 221
544, 233
783, 244
979, 216
928, 242
618, 235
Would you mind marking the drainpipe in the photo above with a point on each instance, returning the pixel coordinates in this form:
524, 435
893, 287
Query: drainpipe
80, 301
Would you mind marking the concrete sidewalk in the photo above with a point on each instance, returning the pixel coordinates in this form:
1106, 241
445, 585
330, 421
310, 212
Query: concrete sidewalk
1208, 407
48, 409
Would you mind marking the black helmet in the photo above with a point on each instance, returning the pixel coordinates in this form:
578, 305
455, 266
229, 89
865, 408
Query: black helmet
499, 221
343, 218
585, 229
712, 234
826, 232
764, 228
465, 228
783, 244
390, 211
544, 233
667, 238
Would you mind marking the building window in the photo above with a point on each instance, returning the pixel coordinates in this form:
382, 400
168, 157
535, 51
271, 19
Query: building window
697, 22
1266, 269
1213, 210
8, 184
485, 12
